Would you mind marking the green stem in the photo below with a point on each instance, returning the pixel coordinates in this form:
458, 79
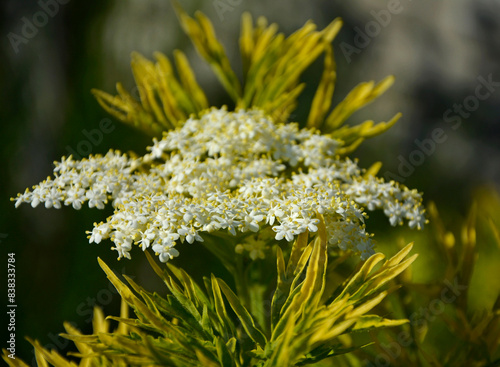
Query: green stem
223, 248
240, 280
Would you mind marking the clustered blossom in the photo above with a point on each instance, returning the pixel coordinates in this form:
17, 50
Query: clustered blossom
235, 172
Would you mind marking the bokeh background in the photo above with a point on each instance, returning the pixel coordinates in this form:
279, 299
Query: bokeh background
439, 51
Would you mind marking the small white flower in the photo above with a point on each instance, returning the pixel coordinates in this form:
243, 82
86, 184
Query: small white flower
146, 238
75, 197
308, 224
123, 245
284, 231
273, 213
189, 234
251, 221
99, 232
96, 197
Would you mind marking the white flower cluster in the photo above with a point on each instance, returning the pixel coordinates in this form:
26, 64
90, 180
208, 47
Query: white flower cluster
227, 171
93, 180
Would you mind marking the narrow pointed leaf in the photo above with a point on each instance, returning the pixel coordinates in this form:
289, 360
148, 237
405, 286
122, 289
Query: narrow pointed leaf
243, 315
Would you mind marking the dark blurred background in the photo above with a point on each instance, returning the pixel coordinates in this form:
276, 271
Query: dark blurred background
445, 56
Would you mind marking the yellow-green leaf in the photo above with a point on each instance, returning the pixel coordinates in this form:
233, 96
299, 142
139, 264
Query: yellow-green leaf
243, 315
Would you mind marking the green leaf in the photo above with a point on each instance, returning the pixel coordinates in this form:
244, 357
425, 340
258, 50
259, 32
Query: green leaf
51, 357
187, 77
191, 288
202, 34
367, 306
366, 322
320, 353
385, 275
298, 248
360, 277
359, 97
226, 359
220, 309
125, 293
323, 96
243, 315
304, 298
282, 350
282, 288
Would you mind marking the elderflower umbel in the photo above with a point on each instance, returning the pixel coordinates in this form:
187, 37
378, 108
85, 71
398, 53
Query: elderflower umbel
233, 172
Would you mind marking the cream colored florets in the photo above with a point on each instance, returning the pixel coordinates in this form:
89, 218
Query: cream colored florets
232, 172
